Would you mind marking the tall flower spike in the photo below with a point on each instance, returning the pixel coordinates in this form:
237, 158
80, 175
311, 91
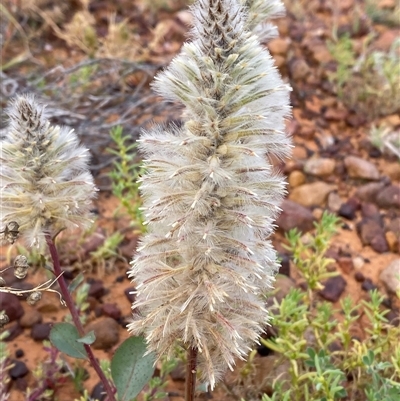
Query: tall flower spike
45, 184
211, 196
260, 11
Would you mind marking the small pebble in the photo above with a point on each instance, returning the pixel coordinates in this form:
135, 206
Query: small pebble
21, 384
346, 264
111, 310
106, 331
389, 197
96, 289
348, 209
334, 288
285, 264
129, 294
361, 168
41, 331
19, 353
295, 215
18, 370
393, 317
120, 279
390, 276
13, 332
11, 304
368, 285
98, 392
358, 262
334, 202
359, 277
30, 318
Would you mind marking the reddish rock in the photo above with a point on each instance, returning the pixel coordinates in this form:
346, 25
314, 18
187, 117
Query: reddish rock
348, 209
279, 46
368, 285
389, 197
14, 331
386, 39
129, 293
18, 370
372, 233
106, 331
11, 304
296, 178
359, 277
295, 216
319, 166
96, 289
299, 69
370, 211
111, 310
368, 192
379, 243
333, 289
314, 194
41, 331
346, 264
361, 168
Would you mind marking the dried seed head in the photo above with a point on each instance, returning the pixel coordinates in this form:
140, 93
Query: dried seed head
21, 267
34, 297
4, 319
45, 182
10, 233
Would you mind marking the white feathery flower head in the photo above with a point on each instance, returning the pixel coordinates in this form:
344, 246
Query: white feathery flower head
45, 183
211, 195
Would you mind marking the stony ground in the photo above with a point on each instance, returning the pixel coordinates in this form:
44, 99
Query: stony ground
334, 166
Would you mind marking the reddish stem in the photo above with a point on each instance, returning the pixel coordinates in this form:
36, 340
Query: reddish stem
191, 366
75, 317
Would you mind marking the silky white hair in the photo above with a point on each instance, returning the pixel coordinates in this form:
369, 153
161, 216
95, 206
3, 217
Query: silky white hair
210, 193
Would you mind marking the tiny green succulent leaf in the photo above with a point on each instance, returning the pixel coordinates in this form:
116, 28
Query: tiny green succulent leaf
131, 368
65, 336
88, 339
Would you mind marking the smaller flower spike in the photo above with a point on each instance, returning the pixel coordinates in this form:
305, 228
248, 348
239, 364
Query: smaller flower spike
45, 182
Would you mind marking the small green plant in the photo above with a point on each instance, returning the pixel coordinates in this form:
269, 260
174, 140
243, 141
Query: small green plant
155, 389
316, 341
127, 170
385, 139
5, 366
309, 252
384, 16
81, 290
48, 376
104, 257
80, 80
367, 83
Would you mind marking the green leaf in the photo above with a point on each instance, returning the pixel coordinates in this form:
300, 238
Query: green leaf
75, 283
88, 339
65, 336
131, 369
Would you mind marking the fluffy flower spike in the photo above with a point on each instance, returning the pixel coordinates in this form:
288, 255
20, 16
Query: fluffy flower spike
211, 195
44, 178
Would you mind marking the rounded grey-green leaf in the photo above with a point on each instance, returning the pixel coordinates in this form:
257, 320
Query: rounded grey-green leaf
65, 336
131, 370
88, 339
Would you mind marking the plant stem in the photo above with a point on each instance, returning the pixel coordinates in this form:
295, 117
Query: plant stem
75, 316
191, 371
